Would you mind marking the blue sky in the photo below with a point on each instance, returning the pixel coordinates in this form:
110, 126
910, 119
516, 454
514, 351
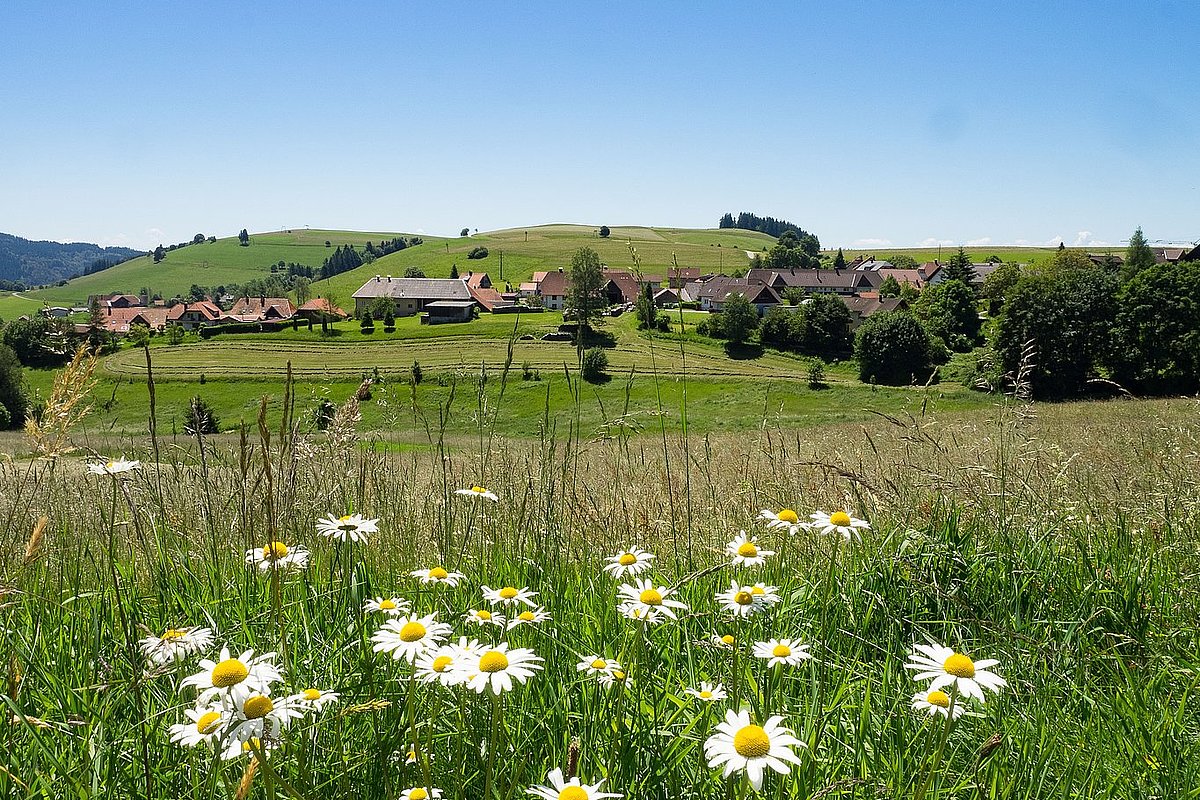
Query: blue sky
872, 123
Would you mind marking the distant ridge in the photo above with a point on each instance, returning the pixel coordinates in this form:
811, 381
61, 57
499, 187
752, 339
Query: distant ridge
34, 263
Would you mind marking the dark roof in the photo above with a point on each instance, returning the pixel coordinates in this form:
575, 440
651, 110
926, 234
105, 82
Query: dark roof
809, 278
866, 306
414, 289
450, 304
554, 283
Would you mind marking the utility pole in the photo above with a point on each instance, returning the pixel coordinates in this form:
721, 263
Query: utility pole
501, 265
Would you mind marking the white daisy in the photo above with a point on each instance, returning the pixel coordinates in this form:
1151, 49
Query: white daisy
741, 601
633, 561
937, 702
614, 677
277, 555
207, 723
236, 748
441, 664
496, 667
767, 595
723, 641
782, 651
745, 552
351, 527
438, 574
421, 793
562, 789
528, 617
594, 665
257, 715
642, 600
409, 636
313, 699
509, 596
838, 522
115, 467
786, 519
738, 744
708, 692
175, 644
484, 617
948, 668
478, 492
246, 672
387, 606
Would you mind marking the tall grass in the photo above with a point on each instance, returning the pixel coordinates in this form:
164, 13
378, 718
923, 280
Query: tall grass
1063, 544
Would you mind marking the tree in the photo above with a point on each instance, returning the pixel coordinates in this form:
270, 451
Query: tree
367, 325
389, 320
890, 287
414, 272
200, 418
454, 270
594, 364
175, 334
303, 288
604, 231
1138, 256
646, 311
893, 349
159, 254
839, 261
13, 404
38, 342
793, 251
778, 327
198, 238
1157, 331
960, 268
998, 284
949, 312
824, 326
478, 253
244, 238
738, 318
585, 290
903, 261
380, 307
464, 232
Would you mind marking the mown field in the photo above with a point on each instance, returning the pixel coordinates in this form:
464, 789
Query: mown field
1058, 541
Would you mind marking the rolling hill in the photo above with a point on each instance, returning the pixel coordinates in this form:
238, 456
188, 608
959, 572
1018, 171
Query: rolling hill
35, 263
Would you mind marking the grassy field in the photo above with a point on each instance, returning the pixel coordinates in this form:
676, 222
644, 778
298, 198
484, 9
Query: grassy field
1021, 255
13, 305
1058, 541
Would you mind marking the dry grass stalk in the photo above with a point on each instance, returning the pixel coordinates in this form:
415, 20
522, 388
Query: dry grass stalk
342, 431
50, 431
247, 781
33, 548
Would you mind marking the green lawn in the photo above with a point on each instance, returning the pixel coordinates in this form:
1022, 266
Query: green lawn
1022, 255
13, 305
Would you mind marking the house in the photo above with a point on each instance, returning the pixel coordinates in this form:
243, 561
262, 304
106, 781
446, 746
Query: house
812, 281
714, 293
668, 298
913, 277
191, 316
861, 307
319, 308
678, 277
261, 309
552, 288
440, 311
871, 264
116, 300
409, 295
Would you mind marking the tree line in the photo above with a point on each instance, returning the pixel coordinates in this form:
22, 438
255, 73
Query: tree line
752, 222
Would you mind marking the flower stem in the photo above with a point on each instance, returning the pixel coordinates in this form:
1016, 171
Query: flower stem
493, 741
937, 757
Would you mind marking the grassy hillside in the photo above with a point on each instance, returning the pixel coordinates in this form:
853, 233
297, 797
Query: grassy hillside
15, 304
1022, 255
208, 264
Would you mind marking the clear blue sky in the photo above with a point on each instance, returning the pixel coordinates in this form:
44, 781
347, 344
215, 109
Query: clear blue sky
872, 122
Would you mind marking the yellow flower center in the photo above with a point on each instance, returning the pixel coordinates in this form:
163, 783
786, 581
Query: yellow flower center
257, 706
752, 742
412, 632
781, 651
110, 465
839, 518
253, 743
743, 598
651, 597
344, 519
418, 794
573, 793
728, 639
757, 590
599, 663
508, 592
439, 573
174, 635
229, 672
208, 722
275, 550
442, 663
960, 666
618, 674
747, 550
484, 615
705, 694
387, 605
627, 559
938, 698
788, 516
526, 616
478, 489
312, 694
493, 661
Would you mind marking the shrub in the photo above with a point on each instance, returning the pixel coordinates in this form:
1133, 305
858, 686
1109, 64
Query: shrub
595, 364
893, 349
478, 253
200, 417
529, 373
367, 325
417, 374
323, 414
13, 404
816, 373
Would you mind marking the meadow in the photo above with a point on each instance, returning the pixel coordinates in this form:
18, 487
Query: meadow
1059, 541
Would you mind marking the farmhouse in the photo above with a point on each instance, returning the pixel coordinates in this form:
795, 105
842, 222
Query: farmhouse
409, 295
260, 309
191, 316
319, 307
813, 281
714, 293
869, 303
552, 288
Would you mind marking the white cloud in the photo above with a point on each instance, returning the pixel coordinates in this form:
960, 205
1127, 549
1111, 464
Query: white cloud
934, 242
1053, 241
149, 239
1085, 239
861, 243
986, 240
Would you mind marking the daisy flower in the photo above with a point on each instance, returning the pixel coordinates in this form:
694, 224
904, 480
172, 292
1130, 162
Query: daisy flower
767, 595
237, 748
479, 493
409, 636
745, 552
175, 644
509, 596
936, 702
484, 617
594, 665
421, 793
613, 677
741, 601
738, 744
388, 606
786, 519
438, 574
708, 692
561, 789
277, 555
206, 725
642, 600
838, 522
782, 651
496, 667
257, 715
528, 617
948, 668
440, 664
723, 641
246, 672
313, 699
351, 527
633, 561
115, 467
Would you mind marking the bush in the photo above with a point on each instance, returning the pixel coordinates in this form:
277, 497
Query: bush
5, 419
368, 323
417, 374
529, 373
323, 414
478, 253
200, 418
595, 364
816, 373
893, 349
13, 405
